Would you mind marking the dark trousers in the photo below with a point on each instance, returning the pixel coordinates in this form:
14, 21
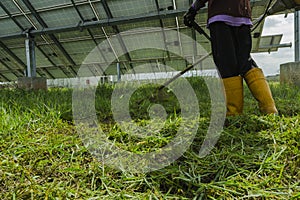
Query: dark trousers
231, 47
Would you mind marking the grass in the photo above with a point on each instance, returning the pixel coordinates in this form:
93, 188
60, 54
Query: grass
43, 157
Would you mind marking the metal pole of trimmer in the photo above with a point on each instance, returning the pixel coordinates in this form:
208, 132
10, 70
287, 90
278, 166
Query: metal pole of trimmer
202, 32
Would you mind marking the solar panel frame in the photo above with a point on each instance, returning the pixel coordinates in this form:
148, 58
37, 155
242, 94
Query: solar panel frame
57, 49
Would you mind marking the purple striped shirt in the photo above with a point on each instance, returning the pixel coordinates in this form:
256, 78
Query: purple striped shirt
230, 20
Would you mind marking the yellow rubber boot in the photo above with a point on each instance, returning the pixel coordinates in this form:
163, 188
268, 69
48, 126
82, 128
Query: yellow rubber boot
234, 95
260, 89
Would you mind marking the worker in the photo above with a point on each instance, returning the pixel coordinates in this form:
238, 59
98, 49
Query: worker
229, 23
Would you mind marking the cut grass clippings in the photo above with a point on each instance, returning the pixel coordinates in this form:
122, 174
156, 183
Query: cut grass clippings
43, 157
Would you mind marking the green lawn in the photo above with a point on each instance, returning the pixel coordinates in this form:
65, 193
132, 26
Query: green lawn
43, 157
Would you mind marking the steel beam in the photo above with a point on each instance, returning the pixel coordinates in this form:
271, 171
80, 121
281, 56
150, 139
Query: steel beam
163, 32
103, 30
99, 23
53, 38
51, 61
116, 29
47, 72
177, 27
24, 30
297, 35
5, 78
111, 22
10, 69
271, 46
90, 33
10, 16
16, 58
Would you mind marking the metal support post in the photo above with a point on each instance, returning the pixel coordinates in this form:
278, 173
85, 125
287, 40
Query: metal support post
30, 56
297, 36
118, 72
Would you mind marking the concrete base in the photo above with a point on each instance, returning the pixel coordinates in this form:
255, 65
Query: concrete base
290, 73
32, 83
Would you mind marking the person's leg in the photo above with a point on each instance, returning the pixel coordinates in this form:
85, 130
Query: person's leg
260, 89
224, 54
243, 46
253, 75
223, 48
234, 95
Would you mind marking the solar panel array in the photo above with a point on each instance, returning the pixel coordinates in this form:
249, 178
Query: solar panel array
66, 31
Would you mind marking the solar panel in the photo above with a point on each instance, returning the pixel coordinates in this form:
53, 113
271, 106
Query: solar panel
66, 31
269, 43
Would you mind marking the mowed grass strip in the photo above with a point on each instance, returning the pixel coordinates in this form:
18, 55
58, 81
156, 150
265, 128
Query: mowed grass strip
43, 157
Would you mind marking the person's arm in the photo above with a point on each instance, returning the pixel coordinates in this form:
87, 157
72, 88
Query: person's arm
198, 4
189, 16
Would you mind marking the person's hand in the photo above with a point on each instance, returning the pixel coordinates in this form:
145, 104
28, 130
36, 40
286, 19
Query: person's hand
189, 17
